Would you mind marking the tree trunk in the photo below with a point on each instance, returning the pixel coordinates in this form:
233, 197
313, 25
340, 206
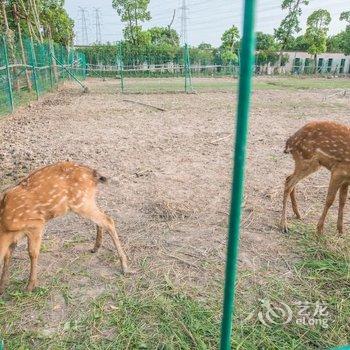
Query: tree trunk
36, 18
315, 60
10, 42
29, 85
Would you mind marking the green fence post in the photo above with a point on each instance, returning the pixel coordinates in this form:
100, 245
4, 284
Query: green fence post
8, 74
187, 69
238, 172
120, 64
51, 69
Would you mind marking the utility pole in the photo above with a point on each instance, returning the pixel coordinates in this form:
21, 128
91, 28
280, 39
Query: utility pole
186, 54
98, 25
84, 34
184, 18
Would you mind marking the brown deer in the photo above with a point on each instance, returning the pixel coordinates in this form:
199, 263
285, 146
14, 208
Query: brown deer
320, 143
47, 193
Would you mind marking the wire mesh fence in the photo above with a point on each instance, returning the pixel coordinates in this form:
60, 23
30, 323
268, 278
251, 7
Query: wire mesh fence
28, 69
148, 69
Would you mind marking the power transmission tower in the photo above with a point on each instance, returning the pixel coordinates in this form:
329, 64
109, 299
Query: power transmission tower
184, 18
84, 33
186, 55
98, 25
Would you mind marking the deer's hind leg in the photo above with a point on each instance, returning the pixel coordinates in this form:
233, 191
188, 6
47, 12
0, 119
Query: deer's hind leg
98, 241
335, 183
343, 194
5, 257
303, 168
34, 235
92, 212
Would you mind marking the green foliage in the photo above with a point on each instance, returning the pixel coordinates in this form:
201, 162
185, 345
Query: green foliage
230, 39
46, 19
335, 43
133, 13
347, 41
205, 46
229, 56
290, 24
201, 55
267, 49
56, 20
345, 16
100, 54
164, 36
230, 45
316, 32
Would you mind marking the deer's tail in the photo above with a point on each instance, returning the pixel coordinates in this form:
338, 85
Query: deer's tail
99, 178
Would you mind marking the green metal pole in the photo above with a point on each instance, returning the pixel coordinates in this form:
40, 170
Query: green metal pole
187, 69
85, 89
238, 171
8, 74
121, 66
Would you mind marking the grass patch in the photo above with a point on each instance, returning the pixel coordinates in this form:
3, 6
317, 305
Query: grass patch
151, 315
153, 85
318, 294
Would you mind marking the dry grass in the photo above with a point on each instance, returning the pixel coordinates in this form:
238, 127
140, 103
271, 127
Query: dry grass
169, 193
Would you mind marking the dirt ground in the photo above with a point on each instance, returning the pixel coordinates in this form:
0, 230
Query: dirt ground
169, 189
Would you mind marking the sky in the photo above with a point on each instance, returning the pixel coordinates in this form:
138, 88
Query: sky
206, 19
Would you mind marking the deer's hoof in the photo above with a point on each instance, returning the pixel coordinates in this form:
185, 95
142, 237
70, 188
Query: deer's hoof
129, 272
31, 287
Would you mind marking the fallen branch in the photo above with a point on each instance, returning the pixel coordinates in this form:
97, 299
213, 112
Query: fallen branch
180, 259
220, 139
342, 92
145, 104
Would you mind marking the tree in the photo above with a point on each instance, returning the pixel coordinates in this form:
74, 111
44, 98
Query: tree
267, 49
164, 35
290, 24
345, 16
56, 22
299, 44
41, 19
316, 32
205, 46
230, 38
230, 44
335, 43
133, 12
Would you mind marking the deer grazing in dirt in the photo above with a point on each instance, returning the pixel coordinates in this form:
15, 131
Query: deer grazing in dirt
320, 143
47, 193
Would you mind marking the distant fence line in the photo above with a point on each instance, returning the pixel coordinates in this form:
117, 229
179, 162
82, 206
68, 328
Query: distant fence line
171, 69
28, 69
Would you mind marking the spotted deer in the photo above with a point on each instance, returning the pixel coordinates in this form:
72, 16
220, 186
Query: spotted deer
45, 194
319, 143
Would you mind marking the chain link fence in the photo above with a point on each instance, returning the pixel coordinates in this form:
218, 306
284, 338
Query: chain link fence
28, 69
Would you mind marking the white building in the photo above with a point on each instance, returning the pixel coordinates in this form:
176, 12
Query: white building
301, 62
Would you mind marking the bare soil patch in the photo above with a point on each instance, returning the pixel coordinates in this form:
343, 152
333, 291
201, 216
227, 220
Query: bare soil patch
169, 191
